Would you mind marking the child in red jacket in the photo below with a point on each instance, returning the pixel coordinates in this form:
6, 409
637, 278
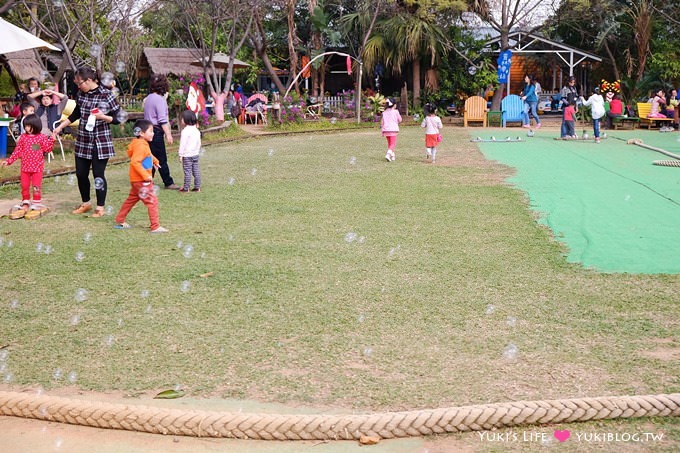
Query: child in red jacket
141, 178
31, 149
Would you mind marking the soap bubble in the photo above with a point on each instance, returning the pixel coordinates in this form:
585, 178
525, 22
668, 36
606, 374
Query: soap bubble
120, 66
368, 352
115, 91
108, 210
87, 237
270, 152
9, 377
362, 239
352, 160
103, 107
75, 320
416, 117
4, 355
58, 443
72, 377
184, 287
253, 172
511, 321
57, 179
71, 179
188, 251
95, 50
80, 256
490, 309
9, 244
81, 295
107, 79
149, 309
144, 293
334, 120
14, 304
57, 3
109, 340
120, 323
99, 183
122, 116
179, 244
48, 249
201, 151
350, 237
626, 198
39, 247
510, 352
3, 367
230, 237
361, 318
57, 374
231, 181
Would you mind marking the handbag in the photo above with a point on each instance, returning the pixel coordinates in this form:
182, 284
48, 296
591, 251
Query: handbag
439, 138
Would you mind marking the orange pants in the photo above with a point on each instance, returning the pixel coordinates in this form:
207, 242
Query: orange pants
142, 192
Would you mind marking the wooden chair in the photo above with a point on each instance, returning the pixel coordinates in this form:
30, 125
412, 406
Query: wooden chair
643, 109
313, 111
475, 110
512, 109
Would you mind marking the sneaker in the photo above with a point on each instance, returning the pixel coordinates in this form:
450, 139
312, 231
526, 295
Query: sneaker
196, 189
82, 209
428, 155
122, 226
172, 187
393, 157
99, 212
528, 126
538, 126
387, 157
160, 229
183, 190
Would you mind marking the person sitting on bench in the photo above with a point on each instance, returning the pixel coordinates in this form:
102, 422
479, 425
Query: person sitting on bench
615, 110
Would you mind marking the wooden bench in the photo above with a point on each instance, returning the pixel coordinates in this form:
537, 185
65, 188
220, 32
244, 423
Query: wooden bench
625, 122
643, 109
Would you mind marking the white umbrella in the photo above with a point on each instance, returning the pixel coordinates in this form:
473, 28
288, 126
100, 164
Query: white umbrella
15, 39
221, 61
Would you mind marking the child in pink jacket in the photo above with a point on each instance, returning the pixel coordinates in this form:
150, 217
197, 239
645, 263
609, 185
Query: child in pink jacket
390, 128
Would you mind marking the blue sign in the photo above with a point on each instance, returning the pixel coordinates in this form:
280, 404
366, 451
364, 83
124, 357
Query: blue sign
504, 62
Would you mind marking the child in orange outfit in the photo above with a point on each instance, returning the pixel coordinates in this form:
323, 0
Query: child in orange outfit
31, 149
141, 179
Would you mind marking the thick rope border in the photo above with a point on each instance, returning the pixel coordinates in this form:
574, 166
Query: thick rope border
388, 425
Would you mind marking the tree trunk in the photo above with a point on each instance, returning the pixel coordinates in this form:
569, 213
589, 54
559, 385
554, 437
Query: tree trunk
416, 83
293, 41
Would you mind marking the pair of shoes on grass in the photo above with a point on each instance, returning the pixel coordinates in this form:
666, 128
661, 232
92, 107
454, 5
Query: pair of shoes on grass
186, 190
28, 211
126, 226
87, 207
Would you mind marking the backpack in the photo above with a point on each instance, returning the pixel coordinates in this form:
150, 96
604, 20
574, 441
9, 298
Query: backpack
537, 88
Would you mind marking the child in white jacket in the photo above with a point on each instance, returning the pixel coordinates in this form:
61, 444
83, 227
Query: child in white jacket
189, 150
596, 103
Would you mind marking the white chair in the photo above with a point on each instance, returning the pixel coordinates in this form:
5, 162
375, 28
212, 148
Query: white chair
50, 156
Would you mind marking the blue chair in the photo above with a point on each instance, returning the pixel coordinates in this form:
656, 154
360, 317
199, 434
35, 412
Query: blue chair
512, 108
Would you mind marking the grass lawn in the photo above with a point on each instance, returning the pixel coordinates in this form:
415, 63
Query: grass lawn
320, 274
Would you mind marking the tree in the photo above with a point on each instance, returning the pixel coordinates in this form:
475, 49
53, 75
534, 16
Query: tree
504, 15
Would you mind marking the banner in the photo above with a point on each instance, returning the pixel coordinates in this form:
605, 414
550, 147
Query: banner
504, 62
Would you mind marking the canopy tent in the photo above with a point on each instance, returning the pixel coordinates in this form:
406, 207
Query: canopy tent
15, 39
221, 61
16, 53
524, 43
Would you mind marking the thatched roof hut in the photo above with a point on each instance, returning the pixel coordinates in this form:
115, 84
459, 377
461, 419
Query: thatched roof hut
23, 65
168, 61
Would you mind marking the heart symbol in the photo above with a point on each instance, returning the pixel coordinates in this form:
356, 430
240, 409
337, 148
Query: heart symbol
562, 434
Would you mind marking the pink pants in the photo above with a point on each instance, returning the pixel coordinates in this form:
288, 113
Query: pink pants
148, 198
28, 180
391, 142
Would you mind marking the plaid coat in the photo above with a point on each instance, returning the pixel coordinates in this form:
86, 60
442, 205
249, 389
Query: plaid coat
99, 138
